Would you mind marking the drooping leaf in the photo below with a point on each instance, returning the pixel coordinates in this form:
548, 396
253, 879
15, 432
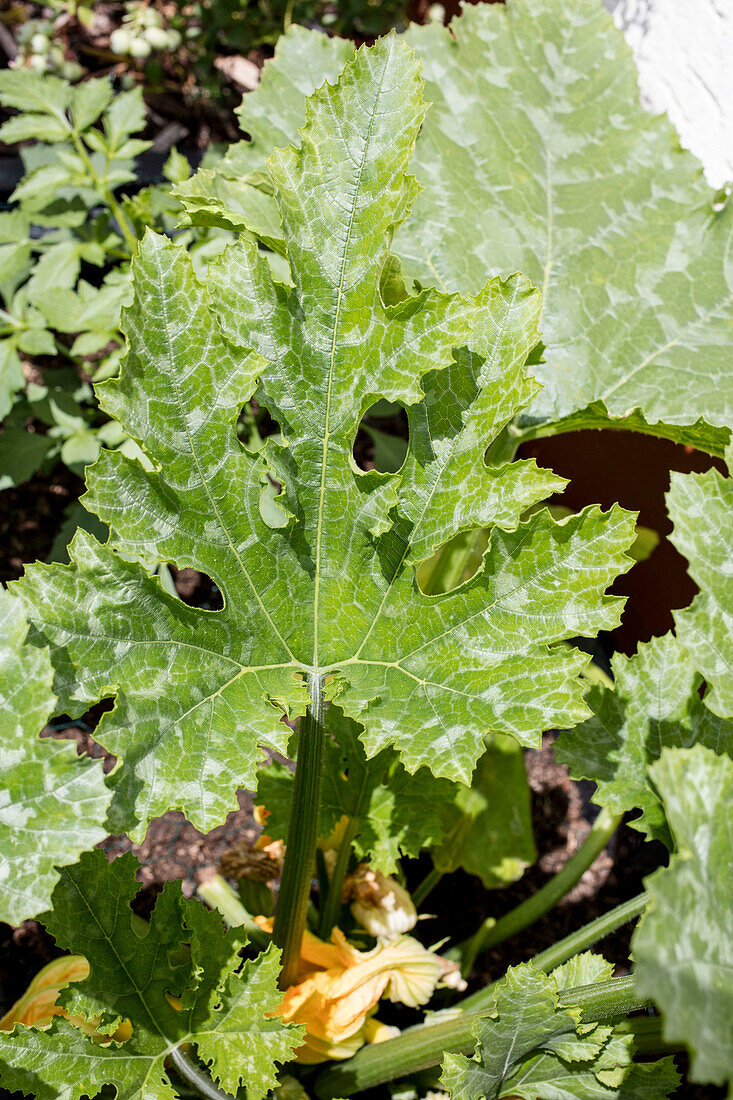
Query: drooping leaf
179, 981
488, 826
330, 590
528, 1047
536, 124
655, 704
53, 803
701, 509
682, 946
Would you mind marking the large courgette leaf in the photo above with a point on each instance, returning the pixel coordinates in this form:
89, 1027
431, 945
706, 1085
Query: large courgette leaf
330, 590
179, 981
537, 156
53, 803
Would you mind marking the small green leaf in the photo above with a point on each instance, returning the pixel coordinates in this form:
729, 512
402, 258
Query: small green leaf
57, 269
88, 101
526, 1047
53, 803
34, 128
523, 1018
682, 947
655, 704
29, 91
583, 969
125, 116
11, 375
701, 509
21, 454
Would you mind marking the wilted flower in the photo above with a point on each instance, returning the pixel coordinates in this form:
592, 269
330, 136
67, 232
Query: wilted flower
244, 861
379, 903
340, 987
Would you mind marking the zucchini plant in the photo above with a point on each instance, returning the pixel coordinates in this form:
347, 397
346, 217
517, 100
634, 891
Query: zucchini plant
415, 627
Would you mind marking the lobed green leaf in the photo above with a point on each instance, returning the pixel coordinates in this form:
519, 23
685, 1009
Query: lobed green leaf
682, 946
53, 804
179, 981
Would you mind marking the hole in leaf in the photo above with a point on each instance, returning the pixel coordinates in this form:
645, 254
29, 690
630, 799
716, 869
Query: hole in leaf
193, 588
455, 562
255, 425
382, 438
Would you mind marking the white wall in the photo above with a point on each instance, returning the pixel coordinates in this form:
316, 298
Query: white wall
684, 51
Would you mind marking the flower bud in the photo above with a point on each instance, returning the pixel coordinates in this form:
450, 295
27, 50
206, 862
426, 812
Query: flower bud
120, 40
157, 37
140, 48
379, 903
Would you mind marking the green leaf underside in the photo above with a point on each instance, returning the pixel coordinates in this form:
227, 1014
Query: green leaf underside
332, 590
527, 1047
682, 946
656, 704
701, 509
53, 803
488, 827
536, 123
224, 1003
487, 830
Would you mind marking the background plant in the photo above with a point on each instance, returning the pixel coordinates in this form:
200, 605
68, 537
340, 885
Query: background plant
67, 245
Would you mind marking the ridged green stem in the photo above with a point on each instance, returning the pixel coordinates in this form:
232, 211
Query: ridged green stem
300, 854
493, 932
423, 1046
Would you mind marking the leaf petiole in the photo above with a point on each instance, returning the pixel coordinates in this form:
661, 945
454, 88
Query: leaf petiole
423, 1046
493, 932
300, 854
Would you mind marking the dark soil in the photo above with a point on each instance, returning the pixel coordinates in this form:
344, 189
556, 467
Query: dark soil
30, 517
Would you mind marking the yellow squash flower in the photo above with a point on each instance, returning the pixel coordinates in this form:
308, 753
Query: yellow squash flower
38, 1005
340, 987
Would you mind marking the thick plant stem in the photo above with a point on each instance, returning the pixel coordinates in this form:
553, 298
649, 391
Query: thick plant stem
493, 932
423, 1046
300, 854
